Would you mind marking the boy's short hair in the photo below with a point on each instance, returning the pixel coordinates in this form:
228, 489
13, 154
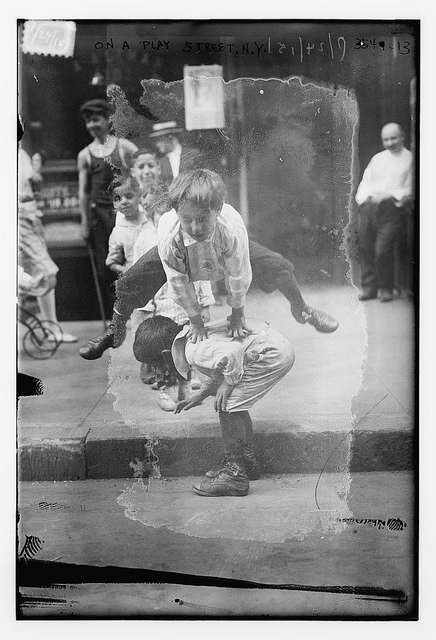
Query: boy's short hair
151, 151
95, 107
203, 187
153, 336
129, 184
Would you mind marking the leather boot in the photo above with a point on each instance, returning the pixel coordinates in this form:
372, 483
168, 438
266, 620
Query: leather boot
230, 481
249, 459
112, 337
322, 321
250, 465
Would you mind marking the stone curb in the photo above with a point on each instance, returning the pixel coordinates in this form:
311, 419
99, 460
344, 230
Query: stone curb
278, 451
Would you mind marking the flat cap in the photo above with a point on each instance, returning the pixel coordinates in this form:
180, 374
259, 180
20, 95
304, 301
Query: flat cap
97, 106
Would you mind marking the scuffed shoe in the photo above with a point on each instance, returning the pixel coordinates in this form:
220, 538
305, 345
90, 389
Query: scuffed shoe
113, 337
386, 295
147, 376
318, 319
232, 480
251, 466
95, 348
165, 401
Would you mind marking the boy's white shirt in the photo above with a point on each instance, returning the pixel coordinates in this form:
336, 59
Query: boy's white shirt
387, 172
163, 303
122, 240
229, 246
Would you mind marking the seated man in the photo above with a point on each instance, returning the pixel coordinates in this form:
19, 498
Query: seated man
238, 373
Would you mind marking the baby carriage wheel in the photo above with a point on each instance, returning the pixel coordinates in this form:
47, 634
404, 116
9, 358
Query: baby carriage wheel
40, 342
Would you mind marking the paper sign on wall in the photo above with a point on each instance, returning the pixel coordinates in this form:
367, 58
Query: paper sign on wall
204, 97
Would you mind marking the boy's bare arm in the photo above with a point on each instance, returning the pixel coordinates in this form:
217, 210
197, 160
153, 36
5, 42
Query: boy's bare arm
208, 388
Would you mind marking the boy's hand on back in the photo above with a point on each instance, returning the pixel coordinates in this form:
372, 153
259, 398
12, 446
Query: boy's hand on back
237, 326
197, 331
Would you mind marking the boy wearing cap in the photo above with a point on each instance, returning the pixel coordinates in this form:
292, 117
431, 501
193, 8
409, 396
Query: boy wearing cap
98, 164
237, 373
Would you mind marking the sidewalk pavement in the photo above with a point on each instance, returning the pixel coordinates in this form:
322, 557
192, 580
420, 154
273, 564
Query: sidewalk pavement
347, 404
122, 548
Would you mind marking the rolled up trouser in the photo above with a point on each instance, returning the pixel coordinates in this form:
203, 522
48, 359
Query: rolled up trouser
139, 284
143, 280
269, 268
267, 361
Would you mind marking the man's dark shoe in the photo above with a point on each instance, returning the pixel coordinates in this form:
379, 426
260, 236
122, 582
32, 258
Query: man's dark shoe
230, 481
318, 319
367, 294
386, 295
95, 348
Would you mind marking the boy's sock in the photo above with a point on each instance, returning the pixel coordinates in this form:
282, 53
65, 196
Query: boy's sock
250, 462
233, 432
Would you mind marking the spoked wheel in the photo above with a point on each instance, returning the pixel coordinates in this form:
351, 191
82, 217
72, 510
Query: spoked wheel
54, 328
40, 342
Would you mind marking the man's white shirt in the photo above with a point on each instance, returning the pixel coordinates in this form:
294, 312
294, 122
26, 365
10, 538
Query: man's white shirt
387, 172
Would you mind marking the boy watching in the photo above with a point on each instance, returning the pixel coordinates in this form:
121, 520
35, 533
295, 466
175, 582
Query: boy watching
238, 373
145, 167
127, 226
100, 165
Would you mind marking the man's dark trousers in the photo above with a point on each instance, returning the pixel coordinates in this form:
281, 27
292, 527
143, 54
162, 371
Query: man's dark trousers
381, 226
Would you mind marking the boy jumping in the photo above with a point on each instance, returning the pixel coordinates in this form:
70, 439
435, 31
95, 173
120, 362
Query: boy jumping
203, 238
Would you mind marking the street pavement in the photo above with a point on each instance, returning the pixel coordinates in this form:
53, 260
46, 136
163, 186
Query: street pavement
137, 548
109, 524
347, 404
